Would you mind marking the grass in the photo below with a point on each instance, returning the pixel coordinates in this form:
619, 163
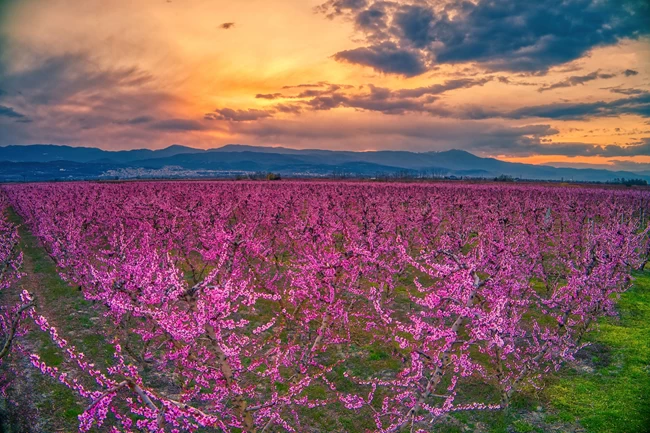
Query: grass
66, 308
615, 398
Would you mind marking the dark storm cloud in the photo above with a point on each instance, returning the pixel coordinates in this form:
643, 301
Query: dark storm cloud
386, 57
406, 37
577, 80
371, 20
413, 23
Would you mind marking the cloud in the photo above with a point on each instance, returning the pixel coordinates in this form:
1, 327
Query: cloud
387, 58
71, 78
72, 98
287, 108
371, 20
11, 113
268, 95
425, 100
238, 115
630, 165
427, 134
576, 80
334, 8
626, 91
408, 37
436, 89
136, 120
379, 99
227, 26
639, 105
584, 149
641, 148
177, 125
407, 133
630, 72
298, 86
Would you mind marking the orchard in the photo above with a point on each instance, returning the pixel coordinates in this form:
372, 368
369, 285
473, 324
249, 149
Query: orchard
250, 306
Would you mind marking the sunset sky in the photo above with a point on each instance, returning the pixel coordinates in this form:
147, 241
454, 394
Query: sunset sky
543, 81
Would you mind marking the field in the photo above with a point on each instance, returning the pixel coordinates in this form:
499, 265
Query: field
315, 306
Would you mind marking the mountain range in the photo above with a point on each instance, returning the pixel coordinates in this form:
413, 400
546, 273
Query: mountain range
41, 162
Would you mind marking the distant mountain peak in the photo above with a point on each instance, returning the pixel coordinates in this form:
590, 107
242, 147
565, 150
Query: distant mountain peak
180, 147
456, 152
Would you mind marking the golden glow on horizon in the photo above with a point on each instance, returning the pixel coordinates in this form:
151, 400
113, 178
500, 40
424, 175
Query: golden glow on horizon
598, 160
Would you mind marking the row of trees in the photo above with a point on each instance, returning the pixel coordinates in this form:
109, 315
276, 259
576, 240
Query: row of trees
630, 182
259, 175
253, 302
13, 312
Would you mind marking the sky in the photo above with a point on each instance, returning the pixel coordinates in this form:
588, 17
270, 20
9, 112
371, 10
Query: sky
565, 82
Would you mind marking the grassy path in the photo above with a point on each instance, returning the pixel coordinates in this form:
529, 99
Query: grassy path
614, 397
55, 406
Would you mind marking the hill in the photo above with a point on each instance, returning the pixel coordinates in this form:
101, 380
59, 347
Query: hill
40, 162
